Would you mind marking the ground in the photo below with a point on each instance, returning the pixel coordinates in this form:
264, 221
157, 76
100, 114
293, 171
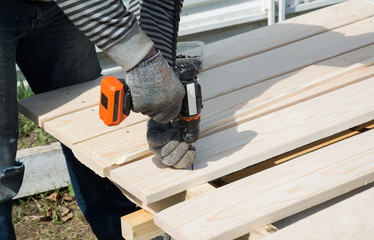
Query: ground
52, 215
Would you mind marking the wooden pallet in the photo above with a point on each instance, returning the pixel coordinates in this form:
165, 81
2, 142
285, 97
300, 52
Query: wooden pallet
287, 89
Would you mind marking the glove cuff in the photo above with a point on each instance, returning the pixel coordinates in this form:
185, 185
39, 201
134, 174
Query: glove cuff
131, 49
147, 68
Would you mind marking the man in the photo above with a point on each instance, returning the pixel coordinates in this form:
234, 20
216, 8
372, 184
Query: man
53, 53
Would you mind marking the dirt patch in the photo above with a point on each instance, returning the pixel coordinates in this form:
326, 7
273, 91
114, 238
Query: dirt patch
52, 215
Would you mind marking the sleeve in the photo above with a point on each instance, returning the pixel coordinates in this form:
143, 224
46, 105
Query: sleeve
160, 21
112, 28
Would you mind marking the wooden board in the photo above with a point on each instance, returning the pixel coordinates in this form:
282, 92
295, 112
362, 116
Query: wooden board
232, 106
85, 124
288, 58
351, 218
139, 225
266, 92
273, 194
297, 28
71, 99
248, 99
252, 142
52, 104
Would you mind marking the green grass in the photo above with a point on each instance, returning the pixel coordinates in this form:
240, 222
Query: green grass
23, 89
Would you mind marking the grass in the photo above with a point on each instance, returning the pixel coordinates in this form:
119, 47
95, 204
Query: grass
30, 135
50, 215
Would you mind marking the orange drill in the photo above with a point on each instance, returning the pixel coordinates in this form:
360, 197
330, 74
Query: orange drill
115, 101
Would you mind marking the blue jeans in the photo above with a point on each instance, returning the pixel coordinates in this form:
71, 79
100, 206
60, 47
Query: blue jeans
51, 53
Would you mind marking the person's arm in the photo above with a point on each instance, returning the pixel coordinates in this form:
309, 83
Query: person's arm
155, 89
110, 27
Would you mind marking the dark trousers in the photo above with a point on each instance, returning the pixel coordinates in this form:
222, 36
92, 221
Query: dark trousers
51, 53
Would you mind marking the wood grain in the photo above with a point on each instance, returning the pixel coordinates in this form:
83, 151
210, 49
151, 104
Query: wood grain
297, 28
285, 59
58, 102
52, 104
273, 194
227, 110
85, 124
252, 142
351, 218
139, 225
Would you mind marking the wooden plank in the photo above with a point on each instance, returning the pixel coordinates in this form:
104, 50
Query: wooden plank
273, 194
83, 125
345, 38
286, 59
139, 225
351, 218
297, 28
252, 142
280, 92
240, 105
288, 156
52, 104
101, 154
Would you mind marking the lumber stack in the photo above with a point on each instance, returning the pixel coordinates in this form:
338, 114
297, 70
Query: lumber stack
290, 88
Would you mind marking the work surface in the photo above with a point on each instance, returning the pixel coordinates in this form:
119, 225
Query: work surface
273, 91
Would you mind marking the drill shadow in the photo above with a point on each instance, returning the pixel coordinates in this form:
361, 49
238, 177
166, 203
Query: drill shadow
206, 153
221, 145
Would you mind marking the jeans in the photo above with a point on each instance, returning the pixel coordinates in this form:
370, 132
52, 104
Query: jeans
51, 53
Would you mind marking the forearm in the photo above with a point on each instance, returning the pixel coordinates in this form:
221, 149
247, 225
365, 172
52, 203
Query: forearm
111, 27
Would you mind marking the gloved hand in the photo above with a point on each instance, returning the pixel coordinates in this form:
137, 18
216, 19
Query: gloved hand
164, 140
155, 89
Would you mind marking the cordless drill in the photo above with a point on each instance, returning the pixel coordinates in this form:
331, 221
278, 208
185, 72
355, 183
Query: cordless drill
115, 101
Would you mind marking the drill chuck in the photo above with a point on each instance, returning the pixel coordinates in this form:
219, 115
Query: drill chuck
189, 120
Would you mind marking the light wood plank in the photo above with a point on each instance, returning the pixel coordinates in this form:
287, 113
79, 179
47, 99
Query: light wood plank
289, 156
274, 193
345, 38
281, 94
279, 61
277, 93
297, 28
252, 142
52, 104
351, 218
233, 107
83, 125
296, 55
139, 225
101, 154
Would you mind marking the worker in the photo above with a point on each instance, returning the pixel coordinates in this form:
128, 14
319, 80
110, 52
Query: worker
52, 43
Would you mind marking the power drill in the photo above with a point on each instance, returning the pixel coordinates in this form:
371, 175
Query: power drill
116, 103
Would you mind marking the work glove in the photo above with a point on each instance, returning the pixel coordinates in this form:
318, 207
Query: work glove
155, 89
165, 141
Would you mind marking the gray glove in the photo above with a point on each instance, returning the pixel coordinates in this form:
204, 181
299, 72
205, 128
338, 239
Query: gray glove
164, 140
155, 89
